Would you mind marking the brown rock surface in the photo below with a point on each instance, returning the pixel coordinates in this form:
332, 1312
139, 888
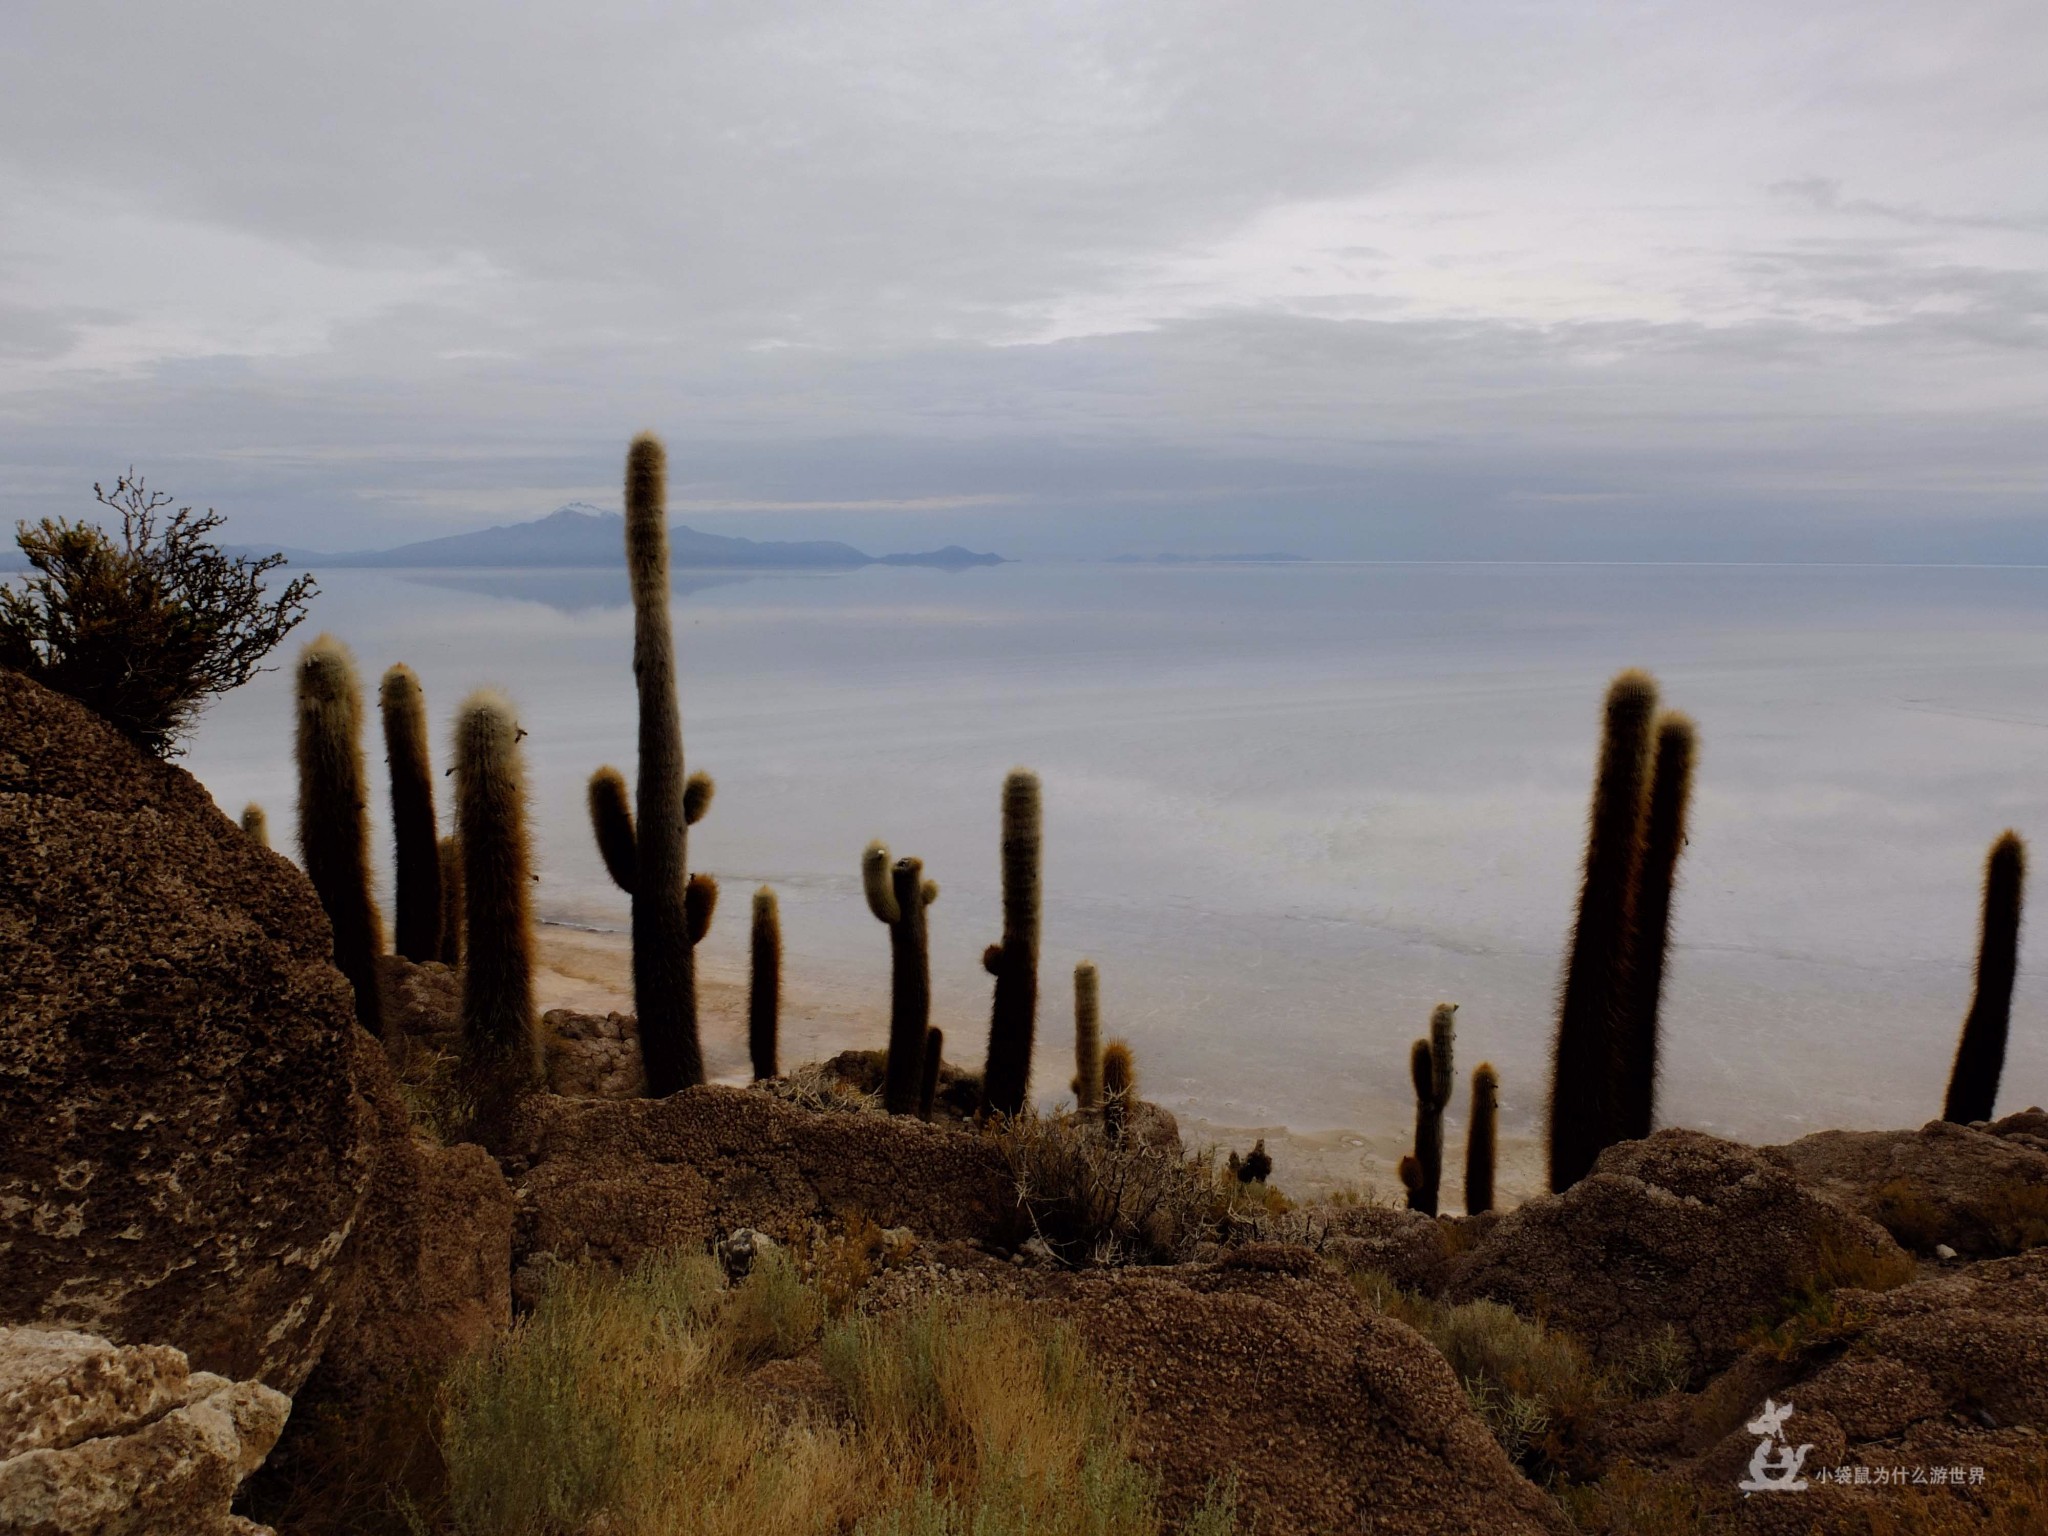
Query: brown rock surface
110, 1441
593, 1055
1983, 1194
1411, 1249
181, 1153
1682, 1229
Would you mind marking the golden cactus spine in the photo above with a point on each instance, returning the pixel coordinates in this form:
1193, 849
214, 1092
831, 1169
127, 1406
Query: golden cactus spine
451, 901
1087, 1039
501, 1058
764, 983
928, 1084
1429, 1064
334, 826
898, 894
1593, 1005
1119, 1088
1980, 1054
1482, 1139
416, 926
1663, 842
1013, 1016
255, 824
611, 819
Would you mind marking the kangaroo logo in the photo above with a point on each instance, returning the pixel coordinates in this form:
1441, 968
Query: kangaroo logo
1776, 1465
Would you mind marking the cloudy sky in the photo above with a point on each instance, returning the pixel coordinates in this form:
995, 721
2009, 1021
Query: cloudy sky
1726, 278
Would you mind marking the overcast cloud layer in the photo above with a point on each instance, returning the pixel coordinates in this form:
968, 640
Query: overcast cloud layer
1728, 279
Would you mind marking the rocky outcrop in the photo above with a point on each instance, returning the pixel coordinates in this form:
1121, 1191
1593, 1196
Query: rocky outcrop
182, 1154
124, 1441
1682, 1229
1984, 1195
1409, 1248
616, 1179
593, 1055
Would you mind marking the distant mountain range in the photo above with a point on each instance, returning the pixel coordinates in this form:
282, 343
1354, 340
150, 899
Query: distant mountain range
583, 535
1271, 557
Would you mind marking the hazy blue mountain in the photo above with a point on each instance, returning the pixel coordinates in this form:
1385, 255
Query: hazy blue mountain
1271, 557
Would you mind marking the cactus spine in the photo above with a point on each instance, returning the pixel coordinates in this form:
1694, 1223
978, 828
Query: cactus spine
501, 1059
647, 853
1429, 1064
1482, 1139
334, 827
1087, 1040
1593, 1008
1014, 962
1663, 840
417, 928
897, 895
256, 825
928, 1085
1980, 1054
451, 901
1119, 1088
764, 983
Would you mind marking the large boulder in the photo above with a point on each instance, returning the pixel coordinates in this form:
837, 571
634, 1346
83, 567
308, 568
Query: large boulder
1982, 1194
182, 1154
616, 1179
1681, 1231
101, 1440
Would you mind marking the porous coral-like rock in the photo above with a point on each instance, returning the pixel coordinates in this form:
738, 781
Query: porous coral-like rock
182, 1153
593, 1055
1409, 1248
1683, 1230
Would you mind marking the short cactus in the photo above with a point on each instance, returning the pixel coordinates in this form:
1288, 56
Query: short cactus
1429, 1064
1087, 1039
416, 929
898, 895
1663, 842
1013, 1016
1593, 1008
1980, 1055
1481, 1140
334, 827
1119, 1089
256, 825
501, 1059
764, 984
451, 901
928, 1084
1257, 1165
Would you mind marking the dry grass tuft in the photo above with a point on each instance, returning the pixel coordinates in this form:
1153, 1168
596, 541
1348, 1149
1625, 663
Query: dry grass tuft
1632, 1502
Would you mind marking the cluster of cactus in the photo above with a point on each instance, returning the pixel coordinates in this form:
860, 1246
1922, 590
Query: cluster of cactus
1980, 1053
647, 853
1013, 1015
334, 825
1429, 1064
1604, 1064
898, 894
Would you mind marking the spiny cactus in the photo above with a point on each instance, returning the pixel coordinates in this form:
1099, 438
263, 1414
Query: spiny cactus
1429, 1064
501, 1058
1119, 1088
928, 1084
451, 901
1482, 1139
764, 984
1087, 1039
1663, 841
334, 827
1257, 1165
1013, 1017
1980, 1055
255, 824
897, 895
1593, 1007
417, 927
647, 853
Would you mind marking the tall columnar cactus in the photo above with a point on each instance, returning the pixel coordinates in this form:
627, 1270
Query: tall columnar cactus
897, 895
501, 1060
1429, 1064
1087, 1040
1980, 1055
1663, 840
928, 1083
1013, 1017
1593, 1007
256, 824
1482, 1139
764, 983
1119, 1089
451, 901
417, 928
647, 852
334, 825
